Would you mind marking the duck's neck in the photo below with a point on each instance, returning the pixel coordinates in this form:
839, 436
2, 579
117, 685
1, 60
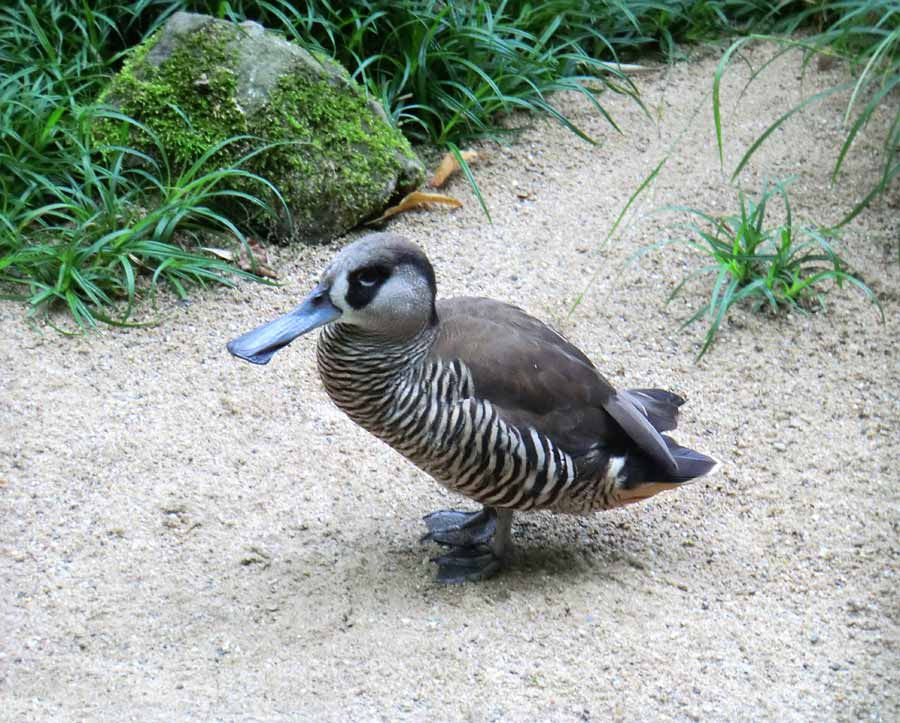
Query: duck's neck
362, 371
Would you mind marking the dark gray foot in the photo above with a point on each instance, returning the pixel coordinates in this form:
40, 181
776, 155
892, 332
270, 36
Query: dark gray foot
467, 564
478, 541
460, 529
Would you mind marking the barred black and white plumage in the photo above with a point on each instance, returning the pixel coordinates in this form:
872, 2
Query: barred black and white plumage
489, 401
427, 410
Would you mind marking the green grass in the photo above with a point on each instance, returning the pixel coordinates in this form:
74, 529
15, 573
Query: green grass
864, 35
95, 229
782, 266
451, 72
87, 239
85, 228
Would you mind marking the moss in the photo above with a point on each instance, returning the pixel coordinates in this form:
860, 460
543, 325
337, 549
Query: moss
335, 160
186, 109
343, 148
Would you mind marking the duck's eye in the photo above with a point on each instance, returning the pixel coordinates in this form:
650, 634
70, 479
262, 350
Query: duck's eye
371, 276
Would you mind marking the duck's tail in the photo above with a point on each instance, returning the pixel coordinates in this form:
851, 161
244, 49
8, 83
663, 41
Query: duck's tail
691, 464
647, 478
658, 405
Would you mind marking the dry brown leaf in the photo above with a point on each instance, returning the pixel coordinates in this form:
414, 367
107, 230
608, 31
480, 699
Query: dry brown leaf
417, 199
223, 254
136, 261
449, 165
245, 260
825, 62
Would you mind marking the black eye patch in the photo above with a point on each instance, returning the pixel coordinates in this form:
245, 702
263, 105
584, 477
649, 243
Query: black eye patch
363, 284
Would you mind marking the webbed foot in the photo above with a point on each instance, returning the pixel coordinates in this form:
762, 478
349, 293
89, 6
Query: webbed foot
478, 541
470, 564
460, 529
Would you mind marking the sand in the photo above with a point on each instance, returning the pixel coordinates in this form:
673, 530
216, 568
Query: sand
187, 537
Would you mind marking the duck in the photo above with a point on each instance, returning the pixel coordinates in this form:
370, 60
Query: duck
491, 402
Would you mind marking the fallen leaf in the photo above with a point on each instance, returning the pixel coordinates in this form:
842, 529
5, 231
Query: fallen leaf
416, 199
246, 259
137, 262
449, 165
223, 254
825, 62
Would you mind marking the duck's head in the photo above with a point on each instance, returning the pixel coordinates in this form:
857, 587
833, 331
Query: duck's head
381, 284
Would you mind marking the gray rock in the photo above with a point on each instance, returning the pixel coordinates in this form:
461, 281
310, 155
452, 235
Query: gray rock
338, 161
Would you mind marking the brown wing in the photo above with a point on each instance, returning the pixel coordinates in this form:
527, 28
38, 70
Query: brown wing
537, 378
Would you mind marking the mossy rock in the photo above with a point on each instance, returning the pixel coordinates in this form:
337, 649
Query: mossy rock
199, 81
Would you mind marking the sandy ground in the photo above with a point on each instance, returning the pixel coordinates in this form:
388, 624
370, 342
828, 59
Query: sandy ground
184, 536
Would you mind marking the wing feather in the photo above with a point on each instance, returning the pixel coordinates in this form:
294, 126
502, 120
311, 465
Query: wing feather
535, 377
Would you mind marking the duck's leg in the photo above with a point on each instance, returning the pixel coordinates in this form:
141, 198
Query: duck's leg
479, 541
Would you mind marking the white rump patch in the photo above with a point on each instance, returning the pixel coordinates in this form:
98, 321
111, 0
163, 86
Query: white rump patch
613, 472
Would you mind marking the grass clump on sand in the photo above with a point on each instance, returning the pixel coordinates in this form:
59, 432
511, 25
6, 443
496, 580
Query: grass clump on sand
786, 266
865, 36
775, 267
789, 265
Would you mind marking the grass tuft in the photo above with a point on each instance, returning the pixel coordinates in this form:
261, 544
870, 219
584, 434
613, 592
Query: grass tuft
785, 266
864, 35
